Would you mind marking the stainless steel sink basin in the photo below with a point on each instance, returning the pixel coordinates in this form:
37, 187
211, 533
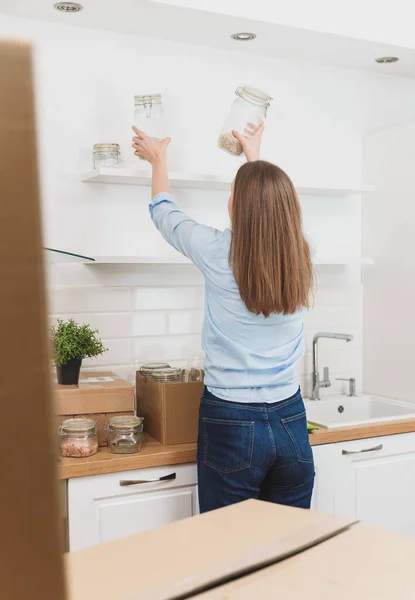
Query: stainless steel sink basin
342, 411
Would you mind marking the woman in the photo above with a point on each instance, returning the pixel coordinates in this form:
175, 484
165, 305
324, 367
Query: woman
253, 440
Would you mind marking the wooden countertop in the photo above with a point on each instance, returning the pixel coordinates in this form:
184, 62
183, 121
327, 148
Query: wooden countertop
155, 454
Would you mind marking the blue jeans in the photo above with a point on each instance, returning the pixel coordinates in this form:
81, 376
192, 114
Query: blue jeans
256, 450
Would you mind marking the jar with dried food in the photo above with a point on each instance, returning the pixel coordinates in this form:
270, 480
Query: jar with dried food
125, 434
78, 437
149, 115
248, 110
107, 156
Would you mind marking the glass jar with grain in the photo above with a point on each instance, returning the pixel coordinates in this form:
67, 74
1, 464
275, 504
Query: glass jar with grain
78, 438
248, 110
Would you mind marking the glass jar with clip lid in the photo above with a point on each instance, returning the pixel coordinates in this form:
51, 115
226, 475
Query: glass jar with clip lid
107, 156
149, 115
125, 434
247, 112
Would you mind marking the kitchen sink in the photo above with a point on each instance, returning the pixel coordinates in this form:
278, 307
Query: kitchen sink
344, 411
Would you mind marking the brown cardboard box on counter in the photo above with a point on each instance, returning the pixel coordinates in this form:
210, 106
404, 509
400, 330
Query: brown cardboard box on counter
170, 410
97, 392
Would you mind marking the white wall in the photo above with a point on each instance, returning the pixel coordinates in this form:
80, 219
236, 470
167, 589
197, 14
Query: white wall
389, 287
86, 81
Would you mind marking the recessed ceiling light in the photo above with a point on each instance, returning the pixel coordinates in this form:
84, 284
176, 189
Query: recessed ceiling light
383, 60
68, 7
243, 37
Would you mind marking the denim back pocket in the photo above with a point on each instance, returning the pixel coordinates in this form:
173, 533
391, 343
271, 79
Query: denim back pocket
228, 445
296, 427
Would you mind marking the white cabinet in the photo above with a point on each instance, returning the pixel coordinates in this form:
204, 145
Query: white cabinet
323, 498
102, 508
372, 480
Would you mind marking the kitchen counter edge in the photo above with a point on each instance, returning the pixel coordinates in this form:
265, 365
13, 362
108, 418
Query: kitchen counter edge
155, 454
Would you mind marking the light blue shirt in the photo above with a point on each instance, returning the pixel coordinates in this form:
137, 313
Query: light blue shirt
249, 358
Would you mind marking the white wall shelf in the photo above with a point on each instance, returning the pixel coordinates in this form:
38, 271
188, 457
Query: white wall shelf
200, 181
53, 255
181, 260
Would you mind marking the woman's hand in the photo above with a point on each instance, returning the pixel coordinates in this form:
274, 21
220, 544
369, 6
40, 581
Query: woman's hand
150, 148
250, 140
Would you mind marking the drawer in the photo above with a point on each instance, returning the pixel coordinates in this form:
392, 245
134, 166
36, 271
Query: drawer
388, 445
111, 484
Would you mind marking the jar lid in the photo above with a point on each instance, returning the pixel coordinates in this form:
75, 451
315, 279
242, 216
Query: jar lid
125, 421
167, 374
147, 99
253, 95
77, 425
106, 147
149, 367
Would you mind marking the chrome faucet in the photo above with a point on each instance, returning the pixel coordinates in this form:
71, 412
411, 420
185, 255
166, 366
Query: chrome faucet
318, 383
352, 385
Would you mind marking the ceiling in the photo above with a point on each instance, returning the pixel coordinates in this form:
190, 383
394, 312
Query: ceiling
150, 18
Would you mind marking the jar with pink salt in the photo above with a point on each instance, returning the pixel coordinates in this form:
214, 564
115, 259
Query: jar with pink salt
78, 437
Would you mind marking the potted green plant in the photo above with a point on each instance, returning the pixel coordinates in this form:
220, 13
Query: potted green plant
72, 342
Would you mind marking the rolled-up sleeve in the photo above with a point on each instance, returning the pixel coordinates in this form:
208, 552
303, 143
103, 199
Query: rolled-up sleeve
181, 231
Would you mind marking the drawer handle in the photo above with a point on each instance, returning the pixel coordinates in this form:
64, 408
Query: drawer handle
364, 450
125, 482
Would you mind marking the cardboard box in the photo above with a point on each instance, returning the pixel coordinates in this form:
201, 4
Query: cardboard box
362, 563
31, 564
252, 550
170, 410
189, 556
89, 396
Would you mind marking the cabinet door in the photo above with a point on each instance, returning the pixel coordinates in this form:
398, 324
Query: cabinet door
102, 510
322, 498
375, 481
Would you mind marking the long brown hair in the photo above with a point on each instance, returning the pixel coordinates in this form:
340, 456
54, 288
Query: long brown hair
269, 255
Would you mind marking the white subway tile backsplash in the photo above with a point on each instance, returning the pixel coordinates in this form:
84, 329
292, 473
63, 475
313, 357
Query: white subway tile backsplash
334, 318
149, 323
338, 296
150, 315
183, 322
120, 352
109, 325
123, 275
78, 300
166, 348
168, 298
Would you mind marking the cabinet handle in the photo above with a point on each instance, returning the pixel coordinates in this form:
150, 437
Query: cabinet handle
125, 482
364, 450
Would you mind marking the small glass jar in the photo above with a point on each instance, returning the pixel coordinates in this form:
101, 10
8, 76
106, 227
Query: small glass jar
166, 375
78, 438
125, 434
107, 156
249, 107
149, 115
194, 370
148, 368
